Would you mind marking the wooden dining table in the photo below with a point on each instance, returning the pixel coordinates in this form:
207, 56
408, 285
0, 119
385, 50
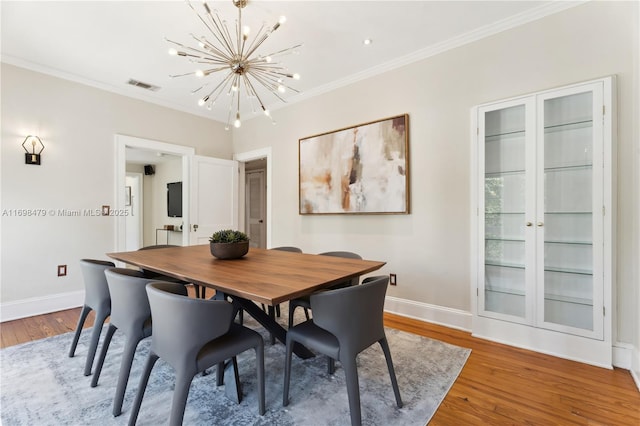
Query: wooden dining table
264, 276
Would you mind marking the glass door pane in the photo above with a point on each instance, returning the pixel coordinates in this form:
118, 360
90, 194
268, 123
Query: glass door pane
568, 211
504, 211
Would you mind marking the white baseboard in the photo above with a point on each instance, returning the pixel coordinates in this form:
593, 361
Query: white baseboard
40, 305
452, 318
625, 356
635, 366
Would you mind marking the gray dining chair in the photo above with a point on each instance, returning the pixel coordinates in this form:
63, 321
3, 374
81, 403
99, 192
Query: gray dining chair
304, 301
345, 322
131, 315
200, 348
96, 298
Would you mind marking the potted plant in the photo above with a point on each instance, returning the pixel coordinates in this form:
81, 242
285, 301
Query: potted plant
229, 244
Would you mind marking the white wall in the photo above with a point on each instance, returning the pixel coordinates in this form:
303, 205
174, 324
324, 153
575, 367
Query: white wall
77, 125
429, 249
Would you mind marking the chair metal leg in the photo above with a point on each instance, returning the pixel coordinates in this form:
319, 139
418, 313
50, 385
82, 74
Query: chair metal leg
392, 374
125, 369
272, 314
144, 379
103, 354
220, 374
353, 390
287, 372
83, 316
292, 309
260, 374
331, 365
95, 336
232, 387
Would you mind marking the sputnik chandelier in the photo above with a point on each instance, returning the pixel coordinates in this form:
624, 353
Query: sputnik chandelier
233, 56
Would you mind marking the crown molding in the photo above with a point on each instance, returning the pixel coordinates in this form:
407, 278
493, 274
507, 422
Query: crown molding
54, 72
452, 43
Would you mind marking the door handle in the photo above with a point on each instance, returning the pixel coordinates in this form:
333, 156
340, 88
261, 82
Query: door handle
195, 227
529, 224
540, 224
261, 221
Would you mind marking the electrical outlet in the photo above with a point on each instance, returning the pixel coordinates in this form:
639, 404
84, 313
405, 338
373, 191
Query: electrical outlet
62, 270
392, 279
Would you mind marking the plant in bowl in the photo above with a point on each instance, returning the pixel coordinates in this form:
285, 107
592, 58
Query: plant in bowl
229, 244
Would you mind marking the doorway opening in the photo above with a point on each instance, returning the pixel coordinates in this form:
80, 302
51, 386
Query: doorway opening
255, 198
255, 195
127, 148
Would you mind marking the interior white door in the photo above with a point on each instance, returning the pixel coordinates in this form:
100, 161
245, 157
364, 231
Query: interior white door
133, 205
255, 199
213, 197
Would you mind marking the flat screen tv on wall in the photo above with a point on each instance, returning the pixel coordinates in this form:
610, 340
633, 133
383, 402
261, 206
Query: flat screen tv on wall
174, 199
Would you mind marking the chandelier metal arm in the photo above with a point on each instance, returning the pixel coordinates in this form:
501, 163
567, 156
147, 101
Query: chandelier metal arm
273, 88
283, 51
220, 88
189, 48
248, 84
251, 47
258, 43
216, 24
210, 49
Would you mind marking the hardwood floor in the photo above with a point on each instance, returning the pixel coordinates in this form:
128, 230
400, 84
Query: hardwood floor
499, 385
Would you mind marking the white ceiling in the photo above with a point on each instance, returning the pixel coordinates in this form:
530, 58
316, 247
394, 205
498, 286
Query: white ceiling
106, 43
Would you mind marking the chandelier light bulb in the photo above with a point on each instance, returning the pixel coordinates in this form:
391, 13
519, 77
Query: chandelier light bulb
282, 20
173, 52
296, 76
234, 87
199, 73
267, 113
201, 102
281, 88
237, 123
246, 30
268, 58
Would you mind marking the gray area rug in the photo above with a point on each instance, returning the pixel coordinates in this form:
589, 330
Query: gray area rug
40, 385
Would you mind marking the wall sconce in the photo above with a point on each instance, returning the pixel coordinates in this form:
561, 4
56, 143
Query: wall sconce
32, 157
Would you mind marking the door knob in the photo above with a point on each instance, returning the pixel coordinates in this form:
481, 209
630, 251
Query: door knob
529, 224
195, 227
540, 224
261, 221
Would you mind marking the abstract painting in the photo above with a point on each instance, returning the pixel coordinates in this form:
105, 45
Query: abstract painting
356, 170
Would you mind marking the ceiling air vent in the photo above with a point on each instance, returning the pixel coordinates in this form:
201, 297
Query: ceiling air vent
143, 85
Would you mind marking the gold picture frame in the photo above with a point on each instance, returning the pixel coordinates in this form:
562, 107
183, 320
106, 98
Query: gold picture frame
362, 169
